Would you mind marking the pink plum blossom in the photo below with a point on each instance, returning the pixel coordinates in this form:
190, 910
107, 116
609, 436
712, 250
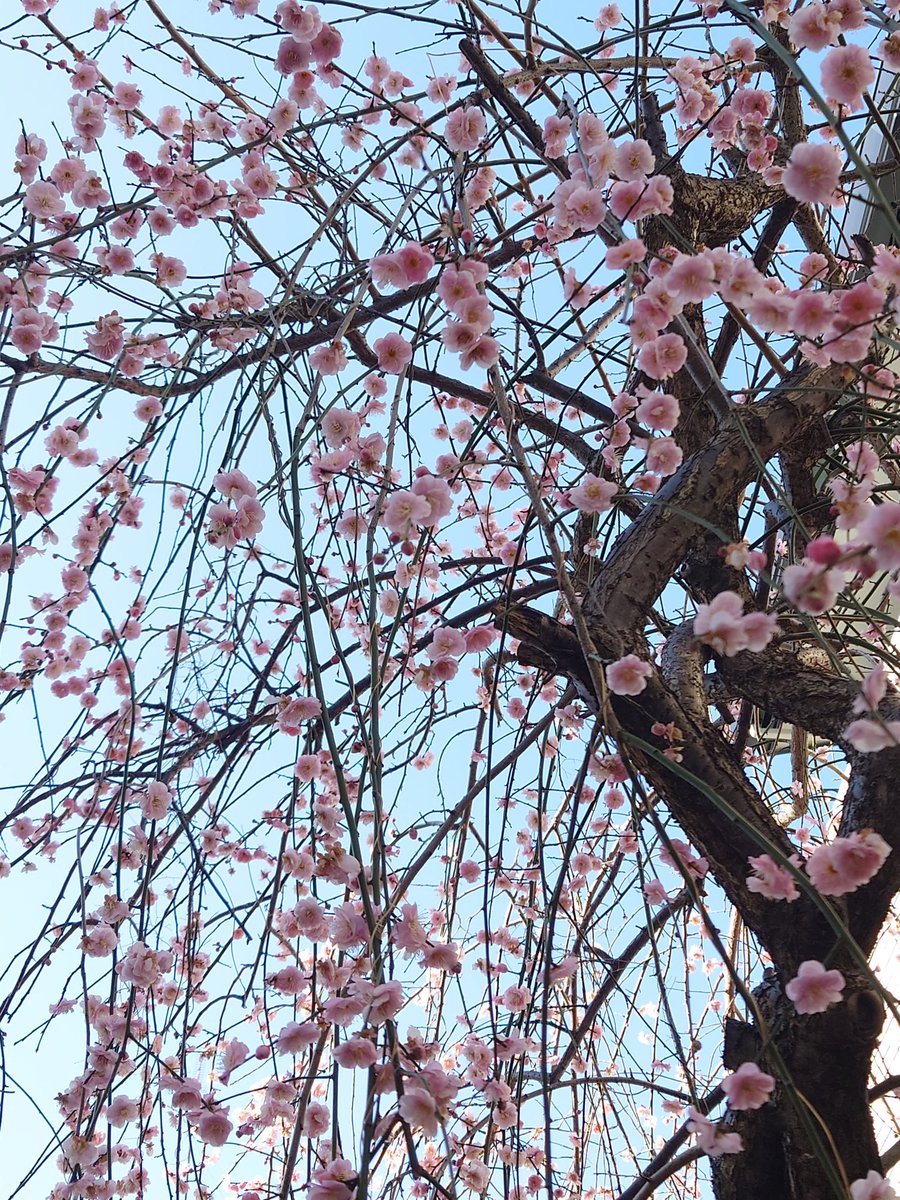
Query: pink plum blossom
847, 863
664, 456
329, 359
771, 880
748, 1087
628, 676
692, 277
593, 495
873, 1187
214, 1127
813, 173
626, 254
663, 357
394, 353
658, 411
814, 988
417, 1108
465, 129
811, 588
633, 160
870, 736
515, 998
712, 1140
722, 625
847, 72
881, 531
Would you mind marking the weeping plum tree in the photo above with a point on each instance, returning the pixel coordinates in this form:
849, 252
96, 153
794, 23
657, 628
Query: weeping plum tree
449, 549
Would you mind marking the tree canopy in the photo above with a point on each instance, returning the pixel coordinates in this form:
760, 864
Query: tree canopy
449, 552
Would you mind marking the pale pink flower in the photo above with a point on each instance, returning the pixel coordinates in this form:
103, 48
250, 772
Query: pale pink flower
722, 625
340, 425
234, 1054
416, 262
394, 352
480, 637
873, 1187
357, 1053
556, 135
873, 689
440, 88
692, 278
127, 96
748, 1087
658, 411
609, 17
100, 941
889, 51
303, 21
594, 495
81, 1151
658, 197
813, 172
155, 802
664, 456
307, 767
628, 676
316, 1119
633, 160
464, 129
812, 315
458, 283
515, 999
293, 713
655, 892
578, 294
307, 917
814, 988
42, 200
484, 353
626, 254
869, 736
296, 1037
329, 360
214, 1127
759, 629
446, 642
470, 871
289, 980
771, 880
663, 356
169, 271
347, 927
142, 966
436, 492
811, 588
680, 856
442, 956
328, 1182
385, 1002
418, 1109
122, 1110
627, 199
404, 510
846, 73
459, 337
881, 531
813, 27
712, 1141
388, 271
847, 863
